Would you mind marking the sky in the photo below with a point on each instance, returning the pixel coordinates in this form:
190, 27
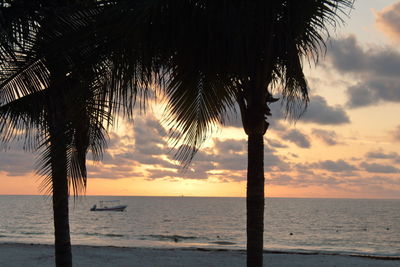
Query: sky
346, 145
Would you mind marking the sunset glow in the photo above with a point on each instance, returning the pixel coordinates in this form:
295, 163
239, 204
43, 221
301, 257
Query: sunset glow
346, 145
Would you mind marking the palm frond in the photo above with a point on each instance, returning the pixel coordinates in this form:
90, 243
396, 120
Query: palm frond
18, 26
208, 47
195, 104
18, 79
48, 49
302, 33
23, 119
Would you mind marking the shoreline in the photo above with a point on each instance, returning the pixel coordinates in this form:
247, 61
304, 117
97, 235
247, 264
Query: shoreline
20, 254
213, 249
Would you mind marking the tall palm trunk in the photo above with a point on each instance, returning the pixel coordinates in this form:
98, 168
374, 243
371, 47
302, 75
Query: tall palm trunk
59, 172
253, 110
63, 255
255, 200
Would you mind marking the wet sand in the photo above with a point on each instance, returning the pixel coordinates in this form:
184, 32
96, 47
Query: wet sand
17, 255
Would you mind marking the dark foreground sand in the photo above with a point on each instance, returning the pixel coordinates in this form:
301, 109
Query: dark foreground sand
24, 255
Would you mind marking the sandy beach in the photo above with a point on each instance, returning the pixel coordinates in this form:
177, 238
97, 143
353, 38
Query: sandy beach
17, 255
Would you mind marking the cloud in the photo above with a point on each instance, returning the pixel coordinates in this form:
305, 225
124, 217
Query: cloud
149, 136
232, 155
282, 179
231, 162
379, 168
228, 176
198, 169
388, 20
15, 157
335, 166
16, 162
383, 180
396, 134
161, 174
142, 145
320, 112
298, 138
328, 137
150, 145
100, 171
305, 168
336, 181
301, 180
274, 162
348, 57
381, 155
377, 71
230, 146
229, 154
183, 174
234, 119
371, 92
144, 152
275, 143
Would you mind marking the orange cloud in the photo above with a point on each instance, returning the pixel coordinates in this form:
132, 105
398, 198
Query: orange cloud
388, 21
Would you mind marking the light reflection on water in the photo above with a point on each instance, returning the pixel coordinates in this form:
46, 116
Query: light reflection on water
333, 225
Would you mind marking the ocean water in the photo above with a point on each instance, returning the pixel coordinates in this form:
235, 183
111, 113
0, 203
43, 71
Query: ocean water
347, 226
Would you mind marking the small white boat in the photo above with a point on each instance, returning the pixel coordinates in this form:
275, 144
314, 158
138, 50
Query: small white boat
109, 205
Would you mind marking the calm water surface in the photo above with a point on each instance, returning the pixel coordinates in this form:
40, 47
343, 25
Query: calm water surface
329, 225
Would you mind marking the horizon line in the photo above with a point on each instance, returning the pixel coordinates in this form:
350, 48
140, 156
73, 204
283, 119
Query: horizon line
191, 196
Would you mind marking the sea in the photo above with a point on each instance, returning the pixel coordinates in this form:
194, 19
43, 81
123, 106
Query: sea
339, 226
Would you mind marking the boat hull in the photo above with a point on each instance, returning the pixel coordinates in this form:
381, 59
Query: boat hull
116, 208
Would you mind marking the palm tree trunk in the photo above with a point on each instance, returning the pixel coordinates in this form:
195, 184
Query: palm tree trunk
255, 200
253, 110
59, 172
63, 255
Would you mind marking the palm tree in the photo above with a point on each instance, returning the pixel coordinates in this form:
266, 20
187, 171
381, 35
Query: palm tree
64, 72
59, 106
64, 135
64, 142
214, 55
